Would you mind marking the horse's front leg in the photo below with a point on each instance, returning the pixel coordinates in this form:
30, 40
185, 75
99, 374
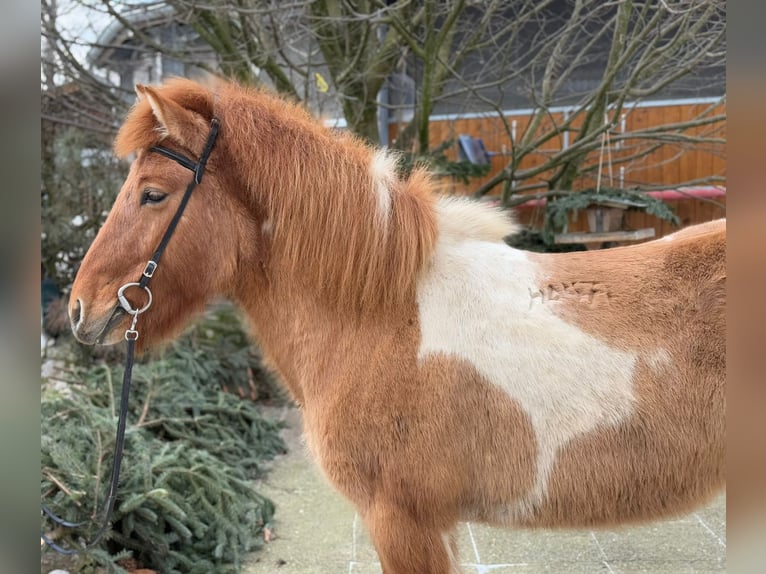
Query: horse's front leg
408, 546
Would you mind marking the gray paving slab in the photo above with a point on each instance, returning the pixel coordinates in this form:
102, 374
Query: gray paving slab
317, 531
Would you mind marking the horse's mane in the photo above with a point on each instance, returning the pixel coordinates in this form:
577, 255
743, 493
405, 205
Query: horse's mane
462, 219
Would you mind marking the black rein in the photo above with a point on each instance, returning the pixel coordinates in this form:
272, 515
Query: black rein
131, 335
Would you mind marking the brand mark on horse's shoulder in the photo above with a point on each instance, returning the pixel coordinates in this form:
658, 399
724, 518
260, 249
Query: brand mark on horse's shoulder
591, 293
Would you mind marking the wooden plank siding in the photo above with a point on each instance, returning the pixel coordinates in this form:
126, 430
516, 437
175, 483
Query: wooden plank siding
671, 165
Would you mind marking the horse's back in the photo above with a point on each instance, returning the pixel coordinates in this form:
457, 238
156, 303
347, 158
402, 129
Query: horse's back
713, 230
695, 260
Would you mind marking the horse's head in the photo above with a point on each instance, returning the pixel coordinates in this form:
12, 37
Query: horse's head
204, 251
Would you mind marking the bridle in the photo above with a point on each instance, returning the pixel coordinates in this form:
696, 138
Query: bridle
131, 335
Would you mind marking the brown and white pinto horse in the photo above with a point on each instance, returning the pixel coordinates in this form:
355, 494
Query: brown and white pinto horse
443, 376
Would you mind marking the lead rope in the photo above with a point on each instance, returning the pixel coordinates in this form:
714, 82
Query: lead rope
131, 335
116, 461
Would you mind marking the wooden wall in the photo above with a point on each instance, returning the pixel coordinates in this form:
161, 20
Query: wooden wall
689, 211
670, 165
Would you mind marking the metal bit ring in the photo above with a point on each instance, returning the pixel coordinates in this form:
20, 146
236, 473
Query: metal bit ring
125, 304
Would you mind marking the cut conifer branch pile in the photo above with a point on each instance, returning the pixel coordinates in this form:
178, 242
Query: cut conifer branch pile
186, 503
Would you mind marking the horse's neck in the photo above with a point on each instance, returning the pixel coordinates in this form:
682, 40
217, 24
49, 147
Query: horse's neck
311, 345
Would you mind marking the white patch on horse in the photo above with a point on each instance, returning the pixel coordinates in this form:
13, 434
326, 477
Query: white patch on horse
267, 227
383, 171
658, 360
461, 218
474, 304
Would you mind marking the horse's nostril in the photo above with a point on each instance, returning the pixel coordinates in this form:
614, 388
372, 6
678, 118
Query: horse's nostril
75, 312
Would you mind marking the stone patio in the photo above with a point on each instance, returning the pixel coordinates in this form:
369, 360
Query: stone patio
317, 531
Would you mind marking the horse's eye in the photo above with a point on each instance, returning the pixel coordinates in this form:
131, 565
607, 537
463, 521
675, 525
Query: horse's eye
152, 196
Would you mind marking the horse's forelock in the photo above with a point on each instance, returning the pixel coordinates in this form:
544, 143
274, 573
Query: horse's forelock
138, 132
141, 128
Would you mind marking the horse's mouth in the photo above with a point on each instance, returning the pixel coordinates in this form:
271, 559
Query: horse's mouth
118, 313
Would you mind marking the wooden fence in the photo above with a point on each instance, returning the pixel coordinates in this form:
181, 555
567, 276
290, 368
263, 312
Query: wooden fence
670, 165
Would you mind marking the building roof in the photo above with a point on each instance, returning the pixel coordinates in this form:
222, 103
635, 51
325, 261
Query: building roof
116, 35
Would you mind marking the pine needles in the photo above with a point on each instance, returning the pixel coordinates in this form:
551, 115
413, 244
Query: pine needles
186, 502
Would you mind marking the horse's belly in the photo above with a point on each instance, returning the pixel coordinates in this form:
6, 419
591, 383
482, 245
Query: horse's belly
619, 476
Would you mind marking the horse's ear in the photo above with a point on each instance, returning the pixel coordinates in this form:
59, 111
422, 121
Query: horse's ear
176, 122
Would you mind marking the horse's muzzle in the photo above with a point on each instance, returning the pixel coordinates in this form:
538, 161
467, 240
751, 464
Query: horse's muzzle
95, 331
